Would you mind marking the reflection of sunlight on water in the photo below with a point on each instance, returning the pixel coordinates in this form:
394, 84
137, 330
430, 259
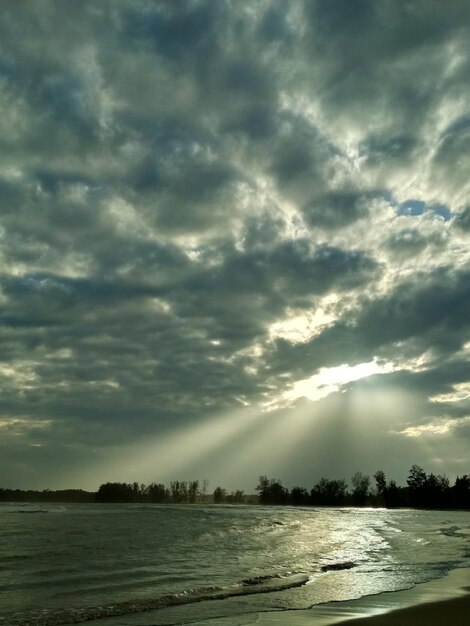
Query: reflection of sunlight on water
344, 553
453, 585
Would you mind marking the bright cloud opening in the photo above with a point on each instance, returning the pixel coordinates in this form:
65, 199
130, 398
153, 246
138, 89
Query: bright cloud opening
301, 328
331, 379
461, 391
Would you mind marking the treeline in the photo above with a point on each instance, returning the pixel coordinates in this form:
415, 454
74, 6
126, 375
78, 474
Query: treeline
422, 490
178, 492
46, 495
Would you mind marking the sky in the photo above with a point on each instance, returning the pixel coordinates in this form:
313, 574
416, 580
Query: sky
234, 240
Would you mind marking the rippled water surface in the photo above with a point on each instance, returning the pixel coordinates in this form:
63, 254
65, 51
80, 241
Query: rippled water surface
134, 564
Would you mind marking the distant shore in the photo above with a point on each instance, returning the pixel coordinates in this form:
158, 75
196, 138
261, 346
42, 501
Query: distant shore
422, 491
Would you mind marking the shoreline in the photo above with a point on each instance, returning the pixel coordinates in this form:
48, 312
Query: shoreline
454, 611
444, 600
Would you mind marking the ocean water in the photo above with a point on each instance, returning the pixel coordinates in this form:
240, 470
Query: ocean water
155, 564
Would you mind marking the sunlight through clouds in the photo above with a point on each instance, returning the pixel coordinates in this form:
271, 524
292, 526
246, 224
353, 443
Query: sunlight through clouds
331, 379
303, 327
229, 209
460, 392
438, 427
175, 454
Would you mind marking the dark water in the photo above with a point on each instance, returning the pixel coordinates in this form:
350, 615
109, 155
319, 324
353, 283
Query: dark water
134, 564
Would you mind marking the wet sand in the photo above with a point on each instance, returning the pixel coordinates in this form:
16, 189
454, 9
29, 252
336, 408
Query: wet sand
444, 601
454, 612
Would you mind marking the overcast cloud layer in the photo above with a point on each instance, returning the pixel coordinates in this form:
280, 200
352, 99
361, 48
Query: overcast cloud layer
205, 204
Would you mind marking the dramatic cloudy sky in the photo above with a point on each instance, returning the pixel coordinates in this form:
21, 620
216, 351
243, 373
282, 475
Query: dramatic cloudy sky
234, 240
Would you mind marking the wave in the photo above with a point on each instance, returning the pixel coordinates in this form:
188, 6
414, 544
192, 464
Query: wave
333, 567
6, 511
56, 617
453, 531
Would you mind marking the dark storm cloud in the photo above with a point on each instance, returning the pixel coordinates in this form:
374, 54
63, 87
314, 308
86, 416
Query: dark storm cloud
377, 150
463, 219
290, 268
408, 242
442, 303
301, 152
434, 316
390, 32
337, 208
101, 319
181, 180
452, 155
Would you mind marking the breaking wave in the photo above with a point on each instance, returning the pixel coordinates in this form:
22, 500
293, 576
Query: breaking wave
56, 617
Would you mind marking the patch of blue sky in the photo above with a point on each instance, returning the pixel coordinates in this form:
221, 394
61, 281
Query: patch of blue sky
442, 210
414, 208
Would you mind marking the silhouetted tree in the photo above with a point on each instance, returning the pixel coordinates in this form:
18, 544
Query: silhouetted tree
115, 492
271, 491
428, 491
219, 495
235, 497
360, 483
431, 491
380, 482
436, 492
299, 496
460, 492
416, 482
263, 488
175, 490
416, 478
157, 493
61, 495
329, 493
393, 495
193, 491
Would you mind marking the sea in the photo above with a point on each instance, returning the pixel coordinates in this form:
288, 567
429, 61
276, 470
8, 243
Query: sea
132, 564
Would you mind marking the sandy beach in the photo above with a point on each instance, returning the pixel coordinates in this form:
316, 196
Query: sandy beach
441, 601
455, 612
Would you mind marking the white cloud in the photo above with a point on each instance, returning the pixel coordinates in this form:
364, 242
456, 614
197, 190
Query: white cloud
332, 379
197, 218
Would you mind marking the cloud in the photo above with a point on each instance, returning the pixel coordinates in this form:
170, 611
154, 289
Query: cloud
204, 203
